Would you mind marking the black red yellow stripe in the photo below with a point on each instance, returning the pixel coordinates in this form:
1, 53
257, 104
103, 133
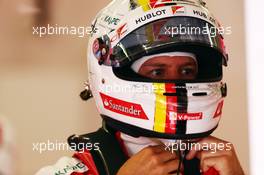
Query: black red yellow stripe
167, 107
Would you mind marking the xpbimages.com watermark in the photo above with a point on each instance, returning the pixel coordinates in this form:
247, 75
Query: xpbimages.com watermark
56, 145
141, 89
192, 30
211, 147
42, 147
79, 31
144, 89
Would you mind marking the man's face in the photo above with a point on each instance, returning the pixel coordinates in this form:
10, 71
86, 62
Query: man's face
169, 68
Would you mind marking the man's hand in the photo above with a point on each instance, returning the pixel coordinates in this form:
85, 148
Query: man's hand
221, 157
152, 160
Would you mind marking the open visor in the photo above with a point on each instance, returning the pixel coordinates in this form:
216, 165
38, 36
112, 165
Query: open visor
179, 33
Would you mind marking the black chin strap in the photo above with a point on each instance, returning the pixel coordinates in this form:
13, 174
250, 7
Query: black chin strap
191, 167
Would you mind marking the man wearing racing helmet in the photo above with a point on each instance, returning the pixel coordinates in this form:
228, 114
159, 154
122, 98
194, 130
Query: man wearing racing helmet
165, 56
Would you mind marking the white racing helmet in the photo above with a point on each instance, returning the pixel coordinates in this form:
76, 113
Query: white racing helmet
128, 30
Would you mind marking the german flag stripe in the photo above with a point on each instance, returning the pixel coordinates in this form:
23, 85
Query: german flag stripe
167, 108
171, 103
182, 107
145, 4
160, 108
150, 4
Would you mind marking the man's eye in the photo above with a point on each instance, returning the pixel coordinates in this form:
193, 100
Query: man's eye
188, 71
157, 72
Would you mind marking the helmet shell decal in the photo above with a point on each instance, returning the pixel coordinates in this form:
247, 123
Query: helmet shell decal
219, 109
186, 116
178, 9
123, 107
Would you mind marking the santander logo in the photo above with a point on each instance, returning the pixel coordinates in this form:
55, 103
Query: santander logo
123, 107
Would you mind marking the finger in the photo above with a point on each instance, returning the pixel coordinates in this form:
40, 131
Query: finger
172, 166
219, 163
155, 149
192, 152
207, 154
167, 156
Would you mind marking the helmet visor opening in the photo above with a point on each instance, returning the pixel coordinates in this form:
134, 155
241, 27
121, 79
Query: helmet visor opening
164, 35
207, 67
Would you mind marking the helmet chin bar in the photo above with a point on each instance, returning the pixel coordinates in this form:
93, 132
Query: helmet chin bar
135, 131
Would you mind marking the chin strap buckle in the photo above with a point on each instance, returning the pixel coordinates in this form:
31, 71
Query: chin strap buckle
86, 94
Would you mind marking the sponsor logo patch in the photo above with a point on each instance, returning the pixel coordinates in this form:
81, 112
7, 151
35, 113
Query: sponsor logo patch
120, 32
204, 15
219, 109
185, 116
65, 166
150, 16
178, 9
111, 20
123, 107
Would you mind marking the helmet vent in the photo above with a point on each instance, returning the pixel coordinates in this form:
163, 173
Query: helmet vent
200, 94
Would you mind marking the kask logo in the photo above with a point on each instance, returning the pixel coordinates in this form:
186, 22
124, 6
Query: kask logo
123, 107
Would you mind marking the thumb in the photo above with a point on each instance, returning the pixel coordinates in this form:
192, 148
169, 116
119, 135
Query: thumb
210, 163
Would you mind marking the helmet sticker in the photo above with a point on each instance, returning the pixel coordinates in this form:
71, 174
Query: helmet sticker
186, 116
219, 109
119, 32
123, 107
178, 9
109, 20
204, 15
150, 16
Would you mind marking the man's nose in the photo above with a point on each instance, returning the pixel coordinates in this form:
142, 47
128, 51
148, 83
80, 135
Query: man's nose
173, 74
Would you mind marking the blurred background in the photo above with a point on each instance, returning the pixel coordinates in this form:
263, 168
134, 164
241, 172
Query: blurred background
41, 77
